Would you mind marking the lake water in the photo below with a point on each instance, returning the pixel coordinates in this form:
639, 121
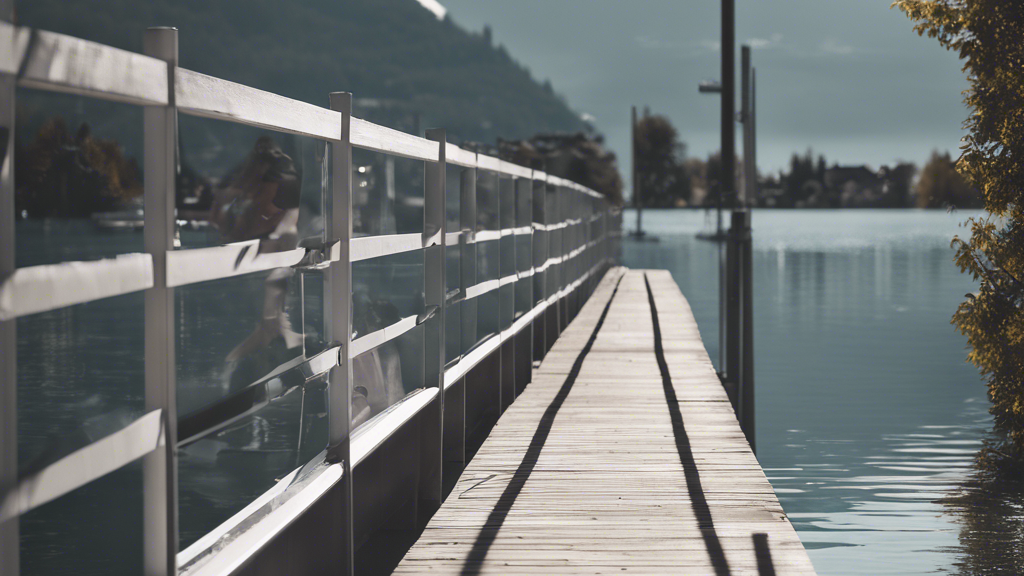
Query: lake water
868, 416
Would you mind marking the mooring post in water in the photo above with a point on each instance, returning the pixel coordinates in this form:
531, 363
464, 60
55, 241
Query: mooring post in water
733, 299
739, 381
746, 391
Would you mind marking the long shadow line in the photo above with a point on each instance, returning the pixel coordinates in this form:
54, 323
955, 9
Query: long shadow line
693, 486
496, 518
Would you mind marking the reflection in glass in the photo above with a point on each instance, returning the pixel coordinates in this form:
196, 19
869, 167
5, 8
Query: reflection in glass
225, 471
94, 530
387, 194
385, 290
80, 377
78, 178
383, 376
239, 183
234, 331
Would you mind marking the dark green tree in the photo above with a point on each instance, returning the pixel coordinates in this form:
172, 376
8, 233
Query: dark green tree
941, 186
988, 35
660, 163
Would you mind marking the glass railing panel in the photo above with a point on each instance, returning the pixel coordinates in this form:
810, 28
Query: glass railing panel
78, 169
81, 375
385, 290
235, 331
488, 208
453, 311
238, 183
387, 194
93, 530
221, 473
384, 375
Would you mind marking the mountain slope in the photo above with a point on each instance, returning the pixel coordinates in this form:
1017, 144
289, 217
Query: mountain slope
394, 50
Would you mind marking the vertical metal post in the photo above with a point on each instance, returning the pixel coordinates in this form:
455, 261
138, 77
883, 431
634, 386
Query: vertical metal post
636, 178
746, 391
747, 115
755, 195
338, 321
434, 232
160, 467
9, 532
467, 260
728, 188
732, 306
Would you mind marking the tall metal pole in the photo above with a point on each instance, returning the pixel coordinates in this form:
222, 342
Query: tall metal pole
747, 114
9, 539
636, 179
160, 467
728, 187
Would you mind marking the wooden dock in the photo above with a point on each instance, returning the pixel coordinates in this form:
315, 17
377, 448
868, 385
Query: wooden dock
623, 456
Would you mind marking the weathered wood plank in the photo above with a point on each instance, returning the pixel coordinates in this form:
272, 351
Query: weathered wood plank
606, 485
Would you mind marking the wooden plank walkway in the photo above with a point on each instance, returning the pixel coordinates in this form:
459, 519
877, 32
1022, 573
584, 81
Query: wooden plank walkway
605, 466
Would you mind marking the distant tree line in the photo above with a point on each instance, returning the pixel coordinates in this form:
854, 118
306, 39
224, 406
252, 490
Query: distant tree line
666, 178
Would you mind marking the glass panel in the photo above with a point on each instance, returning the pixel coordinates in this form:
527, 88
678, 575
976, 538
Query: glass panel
488, 261
488, 320
508, 256
387, 194
222, 473
314, 330
81, 375
385, 290
384, 375
78, 170
522, 299
507, 191
238, 183
234, 331
453, 316
453, 198
487, 203
506, 301
524, 252
94, 530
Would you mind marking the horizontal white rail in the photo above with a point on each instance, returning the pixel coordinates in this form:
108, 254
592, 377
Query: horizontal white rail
467, 362
203, 264
15, 40
366, 247
378, 138
382, 336
85, 465
210, 97
239, 539
508, 280
482, 288
459, 157
62, 63
375, 431
485, 162
452, 238
48, 287
487, 235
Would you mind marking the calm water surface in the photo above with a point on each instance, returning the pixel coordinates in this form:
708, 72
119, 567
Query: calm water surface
868, 417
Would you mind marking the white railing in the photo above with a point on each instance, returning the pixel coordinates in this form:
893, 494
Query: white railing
567, 230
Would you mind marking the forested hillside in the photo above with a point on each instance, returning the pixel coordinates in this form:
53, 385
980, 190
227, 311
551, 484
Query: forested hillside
392, 50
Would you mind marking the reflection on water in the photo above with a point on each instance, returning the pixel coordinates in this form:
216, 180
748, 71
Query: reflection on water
868, 417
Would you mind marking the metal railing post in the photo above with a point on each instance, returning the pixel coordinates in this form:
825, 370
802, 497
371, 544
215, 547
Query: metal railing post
9, 530
467, 259
160, 470
435, 232
338, 311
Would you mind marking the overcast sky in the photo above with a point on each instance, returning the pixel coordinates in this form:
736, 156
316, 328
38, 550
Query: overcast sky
848, 78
